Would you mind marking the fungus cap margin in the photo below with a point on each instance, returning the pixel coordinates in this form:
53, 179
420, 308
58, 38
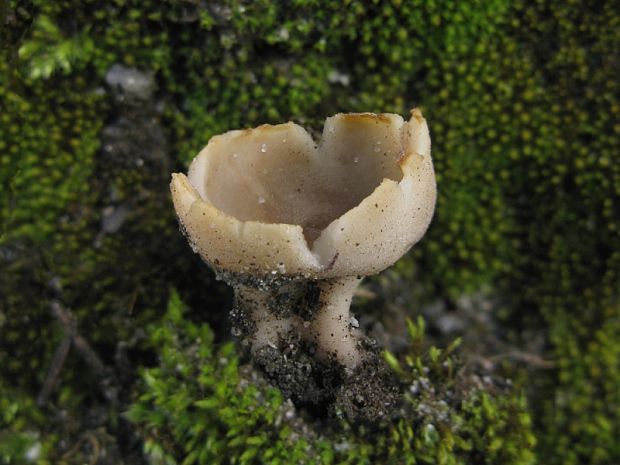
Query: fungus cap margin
365, 239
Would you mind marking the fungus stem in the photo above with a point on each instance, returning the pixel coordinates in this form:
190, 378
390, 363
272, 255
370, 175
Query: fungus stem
331, 327
315, 310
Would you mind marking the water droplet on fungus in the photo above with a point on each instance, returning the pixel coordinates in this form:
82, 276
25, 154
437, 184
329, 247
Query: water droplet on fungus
263, 148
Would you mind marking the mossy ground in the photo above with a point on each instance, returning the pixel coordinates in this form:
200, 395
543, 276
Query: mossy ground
522, 259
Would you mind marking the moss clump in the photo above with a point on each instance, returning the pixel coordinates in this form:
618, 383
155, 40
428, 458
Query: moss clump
71, 157
21, 423
528, 134
582, 416
198, 406
48, 142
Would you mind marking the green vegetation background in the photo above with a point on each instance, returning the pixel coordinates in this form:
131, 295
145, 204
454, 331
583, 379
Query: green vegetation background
522, 99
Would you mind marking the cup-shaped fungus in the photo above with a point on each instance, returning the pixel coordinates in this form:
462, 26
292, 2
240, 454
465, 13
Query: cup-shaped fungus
294, 227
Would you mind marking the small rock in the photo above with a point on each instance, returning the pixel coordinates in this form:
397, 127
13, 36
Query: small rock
131, 82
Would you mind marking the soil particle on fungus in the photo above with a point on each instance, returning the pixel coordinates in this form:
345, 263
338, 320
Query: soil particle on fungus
295, 298
306, 380
366, 394
370, 393
242, 325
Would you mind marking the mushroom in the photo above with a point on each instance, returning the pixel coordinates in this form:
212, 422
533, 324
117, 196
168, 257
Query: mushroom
294, 227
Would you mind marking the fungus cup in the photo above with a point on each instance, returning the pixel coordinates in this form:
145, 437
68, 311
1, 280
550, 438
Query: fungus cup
294, 227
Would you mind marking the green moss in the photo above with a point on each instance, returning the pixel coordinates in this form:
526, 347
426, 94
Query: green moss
582, 417
21, 426
196, 407
522, 100
528, 200
49, 142
58, 186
